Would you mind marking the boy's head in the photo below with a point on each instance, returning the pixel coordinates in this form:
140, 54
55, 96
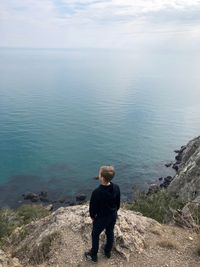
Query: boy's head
107, 173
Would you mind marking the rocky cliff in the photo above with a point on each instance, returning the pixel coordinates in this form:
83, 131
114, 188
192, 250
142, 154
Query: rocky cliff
61, 238
186, 183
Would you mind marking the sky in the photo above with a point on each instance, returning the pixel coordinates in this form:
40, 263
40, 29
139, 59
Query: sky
120, 24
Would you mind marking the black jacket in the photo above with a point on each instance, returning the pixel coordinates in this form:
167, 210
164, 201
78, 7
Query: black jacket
105, 201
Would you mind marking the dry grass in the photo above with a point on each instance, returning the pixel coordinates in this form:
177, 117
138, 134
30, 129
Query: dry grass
167, 244
198, 246
155, 231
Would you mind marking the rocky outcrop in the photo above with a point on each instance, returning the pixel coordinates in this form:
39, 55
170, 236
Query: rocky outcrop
186, 183
61, 238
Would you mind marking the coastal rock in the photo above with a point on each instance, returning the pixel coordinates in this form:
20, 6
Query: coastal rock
67, 234
186, 183
49, 207
187, 217
31, 196
153, 188
168, 164
175, 167
43, 196
62, 200
81, 197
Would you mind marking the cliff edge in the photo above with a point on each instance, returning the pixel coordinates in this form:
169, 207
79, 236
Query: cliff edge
186, 183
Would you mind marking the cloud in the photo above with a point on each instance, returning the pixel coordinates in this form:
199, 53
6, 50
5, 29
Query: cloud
94, 23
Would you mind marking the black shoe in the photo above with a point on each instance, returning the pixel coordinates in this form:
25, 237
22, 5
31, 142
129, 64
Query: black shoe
91, 257
107, 254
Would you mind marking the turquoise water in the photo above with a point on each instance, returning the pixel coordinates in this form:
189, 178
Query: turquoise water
63, 113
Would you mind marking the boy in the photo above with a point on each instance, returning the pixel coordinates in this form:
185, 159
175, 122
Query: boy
104, 204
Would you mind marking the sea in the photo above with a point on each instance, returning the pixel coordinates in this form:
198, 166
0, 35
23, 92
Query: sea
66, 112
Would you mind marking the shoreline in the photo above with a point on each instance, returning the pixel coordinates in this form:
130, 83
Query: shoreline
56, 200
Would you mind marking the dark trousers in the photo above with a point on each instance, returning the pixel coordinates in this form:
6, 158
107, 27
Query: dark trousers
99, 224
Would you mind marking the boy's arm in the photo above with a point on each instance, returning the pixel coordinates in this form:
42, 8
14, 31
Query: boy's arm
93, 206
118, 199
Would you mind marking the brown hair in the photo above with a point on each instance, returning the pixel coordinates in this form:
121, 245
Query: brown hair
107, 172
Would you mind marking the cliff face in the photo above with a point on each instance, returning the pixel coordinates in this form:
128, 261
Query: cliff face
186, 183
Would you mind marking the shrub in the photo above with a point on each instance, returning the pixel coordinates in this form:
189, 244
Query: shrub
157, 206
10, 219
30, 213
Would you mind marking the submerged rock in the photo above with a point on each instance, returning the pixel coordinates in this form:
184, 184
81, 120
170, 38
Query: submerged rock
43, 196
81, 197
168, 164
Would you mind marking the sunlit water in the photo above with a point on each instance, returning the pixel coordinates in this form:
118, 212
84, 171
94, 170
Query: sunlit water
64, 113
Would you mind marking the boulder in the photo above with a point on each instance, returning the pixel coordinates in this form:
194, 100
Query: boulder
31, 196
43, 196
168, 164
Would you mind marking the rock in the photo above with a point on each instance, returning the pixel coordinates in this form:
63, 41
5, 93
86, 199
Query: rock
31, 196
49, 207
72, 203
160, 179
43, 196
81, 197
175, 167
180, 150
187, 216
186, 183
68, 230
178, 158
62, 200
168, 179
168, 164
166, 182
153, 188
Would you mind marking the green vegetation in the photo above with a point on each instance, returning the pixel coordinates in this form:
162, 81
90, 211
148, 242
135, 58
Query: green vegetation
158, 206
31, 213
10, 219
195, 212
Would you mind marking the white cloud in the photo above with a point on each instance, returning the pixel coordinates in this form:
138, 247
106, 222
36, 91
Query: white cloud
94, 23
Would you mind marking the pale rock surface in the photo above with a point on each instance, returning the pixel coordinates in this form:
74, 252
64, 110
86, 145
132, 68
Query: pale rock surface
186, 183
7, 261
68, 231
